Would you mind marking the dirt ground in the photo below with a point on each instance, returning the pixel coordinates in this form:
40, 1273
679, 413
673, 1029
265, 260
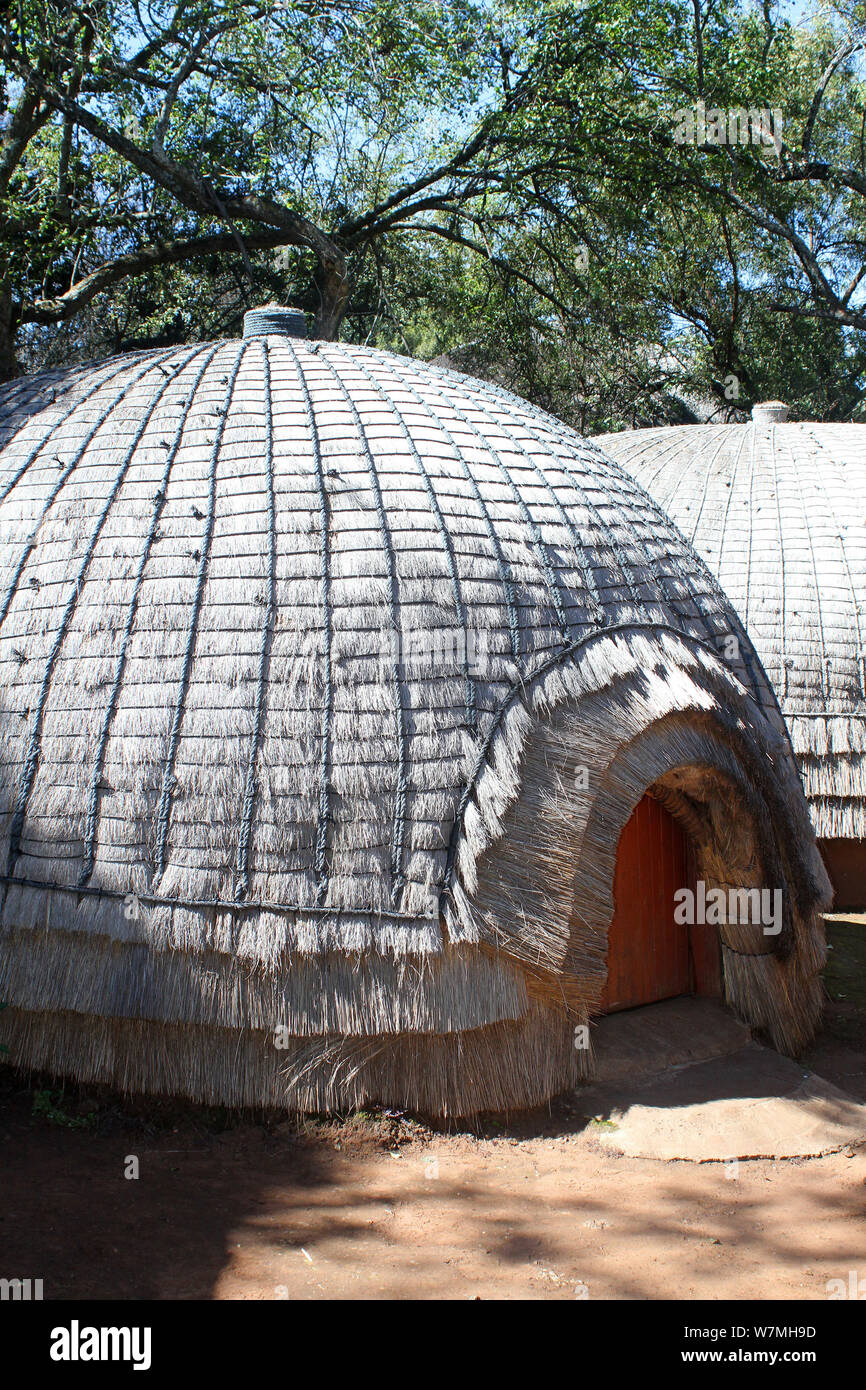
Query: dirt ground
381, 1206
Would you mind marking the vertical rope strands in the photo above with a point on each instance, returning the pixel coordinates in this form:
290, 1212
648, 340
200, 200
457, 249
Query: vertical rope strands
819, 486
43, 386
705, 492
629, 571
595, 607
242, 885
615, 477
733, 482
34, 747
783, 651
163, 814
502, 566
751, 519
825, 693
56, 424
17, 394
595, 604
529, 521
744, 643
664, 454
526, 409
89, 851
324, 809
553, 427
470, 702
397, 682
662, 457
67, 471
644, 490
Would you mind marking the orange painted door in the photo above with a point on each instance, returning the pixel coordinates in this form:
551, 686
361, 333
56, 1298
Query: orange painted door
650, 956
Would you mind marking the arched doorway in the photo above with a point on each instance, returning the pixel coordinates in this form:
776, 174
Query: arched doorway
650, 956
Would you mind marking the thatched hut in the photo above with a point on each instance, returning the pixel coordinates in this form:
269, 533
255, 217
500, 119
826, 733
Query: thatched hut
330, 682
778, 511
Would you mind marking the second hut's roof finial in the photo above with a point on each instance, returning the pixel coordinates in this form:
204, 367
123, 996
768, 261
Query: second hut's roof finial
769, 412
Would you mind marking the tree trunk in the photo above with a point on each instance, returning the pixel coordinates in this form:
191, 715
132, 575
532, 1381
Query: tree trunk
9, 365
331, 283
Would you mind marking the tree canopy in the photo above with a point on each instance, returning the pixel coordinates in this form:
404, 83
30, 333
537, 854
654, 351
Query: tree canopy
581, 198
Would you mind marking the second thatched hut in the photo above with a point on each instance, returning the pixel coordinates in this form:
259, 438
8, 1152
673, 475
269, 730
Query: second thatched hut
778, 511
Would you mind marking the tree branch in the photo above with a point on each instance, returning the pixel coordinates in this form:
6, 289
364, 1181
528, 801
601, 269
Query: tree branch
65, 306
848, 318
843, 52
179, 180
508, 267
28, 117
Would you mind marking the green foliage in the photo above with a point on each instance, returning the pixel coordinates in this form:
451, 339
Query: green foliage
497, 180
48, 1106
682, 283
845, 977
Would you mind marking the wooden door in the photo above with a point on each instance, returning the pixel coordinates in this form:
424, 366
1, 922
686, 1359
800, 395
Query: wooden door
650, 956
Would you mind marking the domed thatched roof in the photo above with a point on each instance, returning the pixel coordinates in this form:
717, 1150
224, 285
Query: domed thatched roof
301, 646
778, 511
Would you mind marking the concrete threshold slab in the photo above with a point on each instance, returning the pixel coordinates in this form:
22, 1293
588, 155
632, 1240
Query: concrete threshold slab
676, 1032
749, 1103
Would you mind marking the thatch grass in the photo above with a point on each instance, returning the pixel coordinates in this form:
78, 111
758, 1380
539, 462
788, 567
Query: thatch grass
777, 511
230, 802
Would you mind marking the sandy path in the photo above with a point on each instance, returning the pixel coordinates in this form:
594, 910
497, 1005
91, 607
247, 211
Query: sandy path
538, 1210
259, 1213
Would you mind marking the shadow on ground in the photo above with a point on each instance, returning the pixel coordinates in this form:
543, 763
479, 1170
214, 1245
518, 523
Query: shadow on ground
383, 1206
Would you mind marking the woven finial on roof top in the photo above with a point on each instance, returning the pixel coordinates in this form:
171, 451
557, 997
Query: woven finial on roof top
274, 318
769, 412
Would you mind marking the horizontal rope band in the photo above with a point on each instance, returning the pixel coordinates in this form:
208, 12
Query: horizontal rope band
212, 904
